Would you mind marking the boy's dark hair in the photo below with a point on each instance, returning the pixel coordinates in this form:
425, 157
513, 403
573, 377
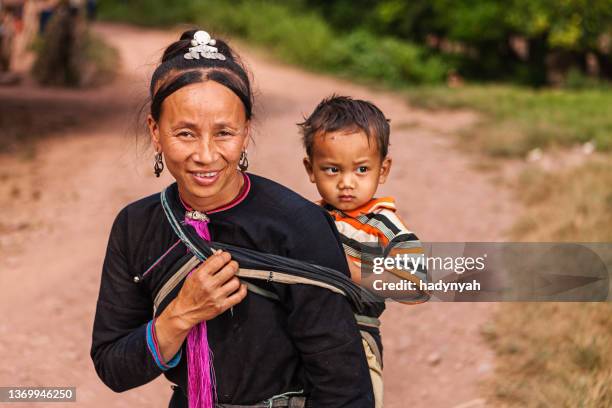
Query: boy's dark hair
345, 113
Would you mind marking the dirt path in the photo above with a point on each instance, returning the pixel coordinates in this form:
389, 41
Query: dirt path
56, 210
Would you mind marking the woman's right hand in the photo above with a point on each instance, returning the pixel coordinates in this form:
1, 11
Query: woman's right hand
209, 290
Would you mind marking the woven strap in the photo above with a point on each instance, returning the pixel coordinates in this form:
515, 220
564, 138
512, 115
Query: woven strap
362, 301
280, 277
373, 345
367, 321
269, 276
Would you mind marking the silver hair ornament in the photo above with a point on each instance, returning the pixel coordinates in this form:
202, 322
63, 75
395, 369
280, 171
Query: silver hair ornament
203, 47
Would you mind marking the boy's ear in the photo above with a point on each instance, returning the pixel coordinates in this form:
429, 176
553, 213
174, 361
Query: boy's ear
385, 168
308, 167
154, 133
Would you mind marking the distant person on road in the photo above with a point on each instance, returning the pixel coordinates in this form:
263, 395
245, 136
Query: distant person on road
7, 34
91, 7
161, 310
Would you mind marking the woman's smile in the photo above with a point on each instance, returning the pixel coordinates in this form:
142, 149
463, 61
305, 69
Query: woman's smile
205, 179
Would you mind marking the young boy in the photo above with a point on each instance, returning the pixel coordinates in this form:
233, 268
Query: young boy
346, 142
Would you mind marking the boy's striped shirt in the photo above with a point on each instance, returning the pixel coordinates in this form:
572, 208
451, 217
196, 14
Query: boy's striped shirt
376, 226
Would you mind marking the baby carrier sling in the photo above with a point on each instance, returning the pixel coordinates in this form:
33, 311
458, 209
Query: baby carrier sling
366, 306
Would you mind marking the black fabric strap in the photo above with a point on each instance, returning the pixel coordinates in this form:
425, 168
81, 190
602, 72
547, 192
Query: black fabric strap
362, 301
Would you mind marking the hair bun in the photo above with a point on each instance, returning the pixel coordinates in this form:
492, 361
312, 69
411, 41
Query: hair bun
176, 48
188, 35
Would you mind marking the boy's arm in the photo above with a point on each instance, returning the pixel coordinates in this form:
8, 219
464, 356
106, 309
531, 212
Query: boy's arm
410, 250
406, 246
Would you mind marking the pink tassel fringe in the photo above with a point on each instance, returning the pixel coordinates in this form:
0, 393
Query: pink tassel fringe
201, 228
200, 372
201, 388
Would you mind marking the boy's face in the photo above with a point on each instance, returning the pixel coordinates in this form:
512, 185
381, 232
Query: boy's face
346, 168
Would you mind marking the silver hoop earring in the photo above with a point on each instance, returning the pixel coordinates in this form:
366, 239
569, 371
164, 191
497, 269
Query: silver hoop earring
243, 164
158, 166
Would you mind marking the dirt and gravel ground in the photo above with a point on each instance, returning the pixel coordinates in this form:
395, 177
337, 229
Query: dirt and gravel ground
58, 200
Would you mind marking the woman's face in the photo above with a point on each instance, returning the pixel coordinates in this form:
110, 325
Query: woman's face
201, 132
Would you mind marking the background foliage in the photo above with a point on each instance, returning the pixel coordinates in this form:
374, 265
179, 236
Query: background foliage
420, 41
518, 40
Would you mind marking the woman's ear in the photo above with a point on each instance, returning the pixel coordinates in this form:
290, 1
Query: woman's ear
247, 135
308, 167
154, 133
385, 168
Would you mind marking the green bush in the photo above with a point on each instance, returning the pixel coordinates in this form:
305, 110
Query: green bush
575, 79
484, 30
69, 55
296, 36
148, 12
363, 55
297, 39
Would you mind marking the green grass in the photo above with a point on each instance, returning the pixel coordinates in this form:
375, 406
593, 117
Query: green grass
552, 355
571, 205
547, 354
557, 354
517, 119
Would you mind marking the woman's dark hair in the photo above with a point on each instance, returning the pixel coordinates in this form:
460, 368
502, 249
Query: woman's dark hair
345, 113
175, 71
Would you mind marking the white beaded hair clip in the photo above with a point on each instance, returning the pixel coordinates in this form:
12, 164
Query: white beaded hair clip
203, 46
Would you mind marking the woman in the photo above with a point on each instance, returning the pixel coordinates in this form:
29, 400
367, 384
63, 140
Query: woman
304, 342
